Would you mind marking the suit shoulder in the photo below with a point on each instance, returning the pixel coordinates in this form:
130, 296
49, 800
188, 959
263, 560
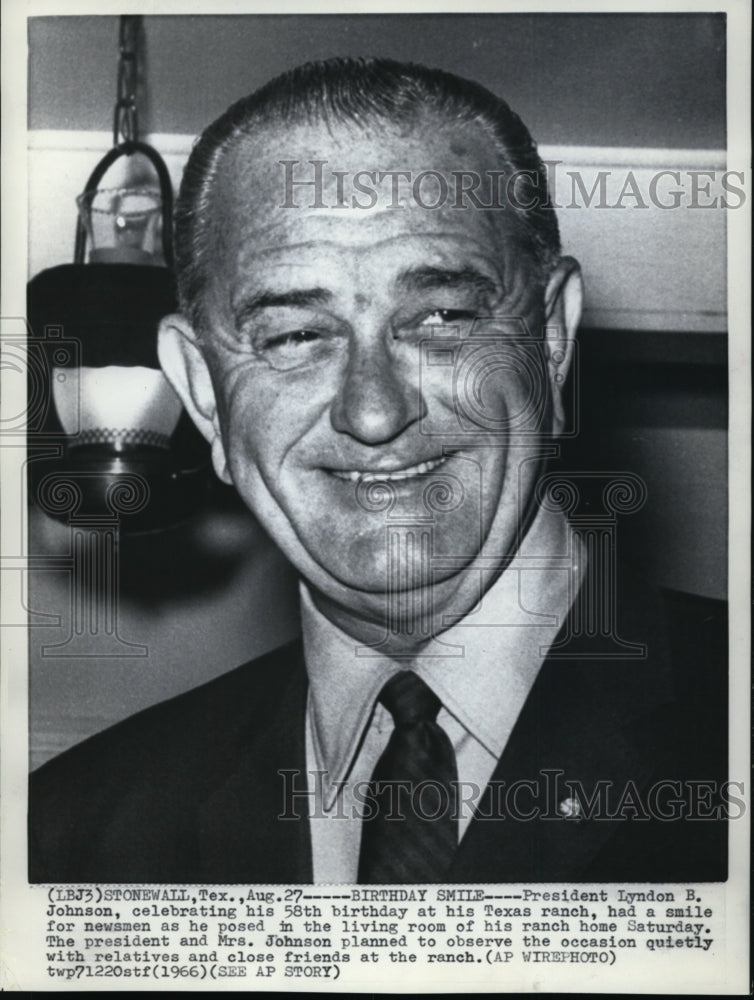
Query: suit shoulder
122, 804
236, 697
183, 740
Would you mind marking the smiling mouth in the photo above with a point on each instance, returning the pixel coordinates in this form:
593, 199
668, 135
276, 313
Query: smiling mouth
389, 475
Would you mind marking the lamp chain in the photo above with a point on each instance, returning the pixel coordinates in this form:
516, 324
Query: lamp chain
125, 119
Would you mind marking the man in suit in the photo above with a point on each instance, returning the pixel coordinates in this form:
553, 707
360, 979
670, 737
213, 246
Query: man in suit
376, 329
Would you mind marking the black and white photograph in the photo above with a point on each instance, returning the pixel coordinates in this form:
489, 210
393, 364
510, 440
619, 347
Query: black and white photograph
376, 501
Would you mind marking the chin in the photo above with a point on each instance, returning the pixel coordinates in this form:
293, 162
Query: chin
396, 558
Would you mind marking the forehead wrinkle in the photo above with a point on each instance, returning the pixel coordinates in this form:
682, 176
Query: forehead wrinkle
438, 267
363, 240
251, 165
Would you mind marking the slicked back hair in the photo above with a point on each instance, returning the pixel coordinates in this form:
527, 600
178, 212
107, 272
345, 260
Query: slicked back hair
358, 91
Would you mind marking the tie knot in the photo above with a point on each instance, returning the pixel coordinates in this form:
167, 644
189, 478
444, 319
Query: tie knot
409, 699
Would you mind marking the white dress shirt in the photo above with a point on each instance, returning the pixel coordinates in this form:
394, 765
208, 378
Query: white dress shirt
493, 657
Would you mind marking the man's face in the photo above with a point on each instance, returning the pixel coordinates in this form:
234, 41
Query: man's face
379, 374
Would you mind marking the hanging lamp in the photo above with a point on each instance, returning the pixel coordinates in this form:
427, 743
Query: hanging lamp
109, 401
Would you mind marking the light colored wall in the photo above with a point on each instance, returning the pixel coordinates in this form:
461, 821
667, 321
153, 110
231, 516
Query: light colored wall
631, 280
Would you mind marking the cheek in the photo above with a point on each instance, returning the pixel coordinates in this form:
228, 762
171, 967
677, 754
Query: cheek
264, 417
493, 393
253, 433
245, 423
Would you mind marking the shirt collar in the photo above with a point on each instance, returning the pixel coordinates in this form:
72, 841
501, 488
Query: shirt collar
343, 689
482, 670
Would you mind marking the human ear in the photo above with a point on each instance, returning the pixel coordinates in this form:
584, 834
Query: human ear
185, 367
564, 297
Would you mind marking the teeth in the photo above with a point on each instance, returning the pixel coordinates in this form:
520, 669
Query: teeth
421, 469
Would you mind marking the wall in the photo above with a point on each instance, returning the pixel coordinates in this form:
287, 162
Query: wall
630, 279
618, 80
619, 93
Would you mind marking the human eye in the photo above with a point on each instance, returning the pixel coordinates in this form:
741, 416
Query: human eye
443, 320
292, 340
287, 345
286, 349
447, 317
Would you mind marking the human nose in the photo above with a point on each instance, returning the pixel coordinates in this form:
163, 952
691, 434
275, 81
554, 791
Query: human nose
376, 401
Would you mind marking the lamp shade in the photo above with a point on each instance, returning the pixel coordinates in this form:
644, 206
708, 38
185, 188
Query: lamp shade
112, 310
116, 410
115, 405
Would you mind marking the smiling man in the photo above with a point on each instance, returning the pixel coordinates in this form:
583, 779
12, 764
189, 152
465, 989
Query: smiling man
376, 329
306, 355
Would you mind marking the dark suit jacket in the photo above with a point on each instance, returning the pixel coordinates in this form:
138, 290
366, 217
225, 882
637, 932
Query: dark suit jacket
190, 790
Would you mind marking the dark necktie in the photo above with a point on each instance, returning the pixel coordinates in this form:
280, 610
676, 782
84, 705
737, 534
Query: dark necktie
413, 834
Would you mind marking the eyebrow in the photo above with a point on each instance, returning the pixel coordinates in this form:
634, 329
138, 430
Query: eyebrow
412, 280
301, 297
429, 278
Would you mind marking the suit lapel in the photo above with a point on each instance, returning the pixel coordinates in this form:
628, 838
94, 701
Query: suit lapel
585, 721
555, 741
242, 838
